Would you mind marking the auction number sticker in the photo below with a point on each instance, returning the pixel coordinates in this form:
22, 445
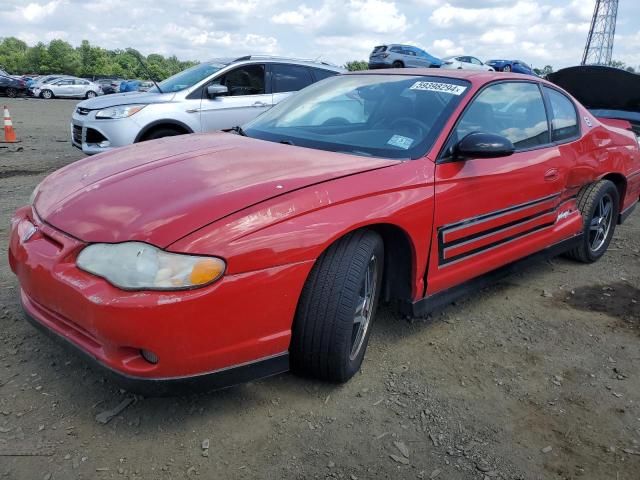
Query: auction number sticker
439, 87
400, 142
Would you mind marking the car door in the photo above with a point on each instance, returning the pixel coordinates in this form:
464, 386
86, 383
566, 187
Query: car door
80, 87
287, 78
247, 98
476, 64
492, 211
63, 88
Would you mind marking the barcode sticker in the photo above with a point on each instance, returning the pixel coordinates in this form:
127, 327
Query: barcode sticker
439, 87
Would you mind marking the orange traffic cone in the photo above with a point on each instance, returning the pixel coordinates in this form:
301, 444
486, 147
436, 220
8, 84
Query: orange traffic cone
9, 132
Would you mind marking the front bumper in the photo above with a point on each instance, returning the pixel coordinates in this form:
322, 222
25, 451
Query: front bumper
212, 333
94, 136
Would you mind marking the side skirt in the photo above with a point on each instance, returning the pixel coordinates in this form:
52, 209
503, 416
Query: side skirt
442, 299
622, 216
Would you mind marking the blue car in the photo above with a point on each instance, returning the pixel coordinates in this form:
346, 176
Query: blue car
515, 66
402, 56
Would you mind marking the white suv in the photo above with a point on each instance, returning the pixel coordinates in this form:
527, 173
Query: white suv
214, 95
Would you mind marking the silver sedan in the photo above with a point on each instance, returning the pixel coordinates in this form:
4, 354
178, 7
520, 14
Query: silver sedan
69, 87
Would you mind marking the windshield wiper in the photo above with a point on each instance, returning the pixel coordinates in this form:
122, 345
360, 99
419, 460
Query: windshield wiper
238, 131
287, 142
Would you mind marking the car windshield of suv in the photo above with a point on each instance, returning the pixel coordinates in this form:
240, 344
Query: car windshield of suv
390, 116
189, 77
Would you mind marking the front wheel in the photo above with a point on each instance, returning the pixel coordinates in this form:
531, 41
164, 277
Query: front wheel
337, 307
12, 92
507, 68
598, 203
90, 94
46, 94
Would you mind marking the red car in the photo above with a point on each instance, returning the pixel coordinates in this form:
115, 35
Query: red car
236, 256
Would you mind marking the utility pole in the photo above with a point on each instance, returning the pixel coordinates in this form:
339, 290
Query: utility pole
599, 45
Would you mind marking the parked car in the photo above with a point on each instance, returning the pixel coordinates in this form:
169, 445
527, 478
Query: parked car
401, 56
40, 81
465, 62
12, 87
515, 66
145, 86
214, 95
109, 85
67, 87
232, 256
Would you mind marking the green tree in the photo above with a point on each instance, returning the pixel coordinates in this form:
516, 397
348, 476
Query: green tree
355, 65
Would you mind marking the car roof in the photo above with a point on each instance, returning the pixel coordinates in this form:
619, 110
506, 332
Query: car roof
476, 77
275, 59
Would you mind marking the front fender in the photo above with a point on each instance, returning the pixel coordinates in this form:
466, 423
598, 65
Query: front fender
299, 226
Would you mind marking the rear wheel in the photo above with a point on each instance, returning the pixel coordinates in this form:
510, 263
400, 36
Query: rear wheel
337, 307
506, 68
598, 202
46, 94
12, 92
397, 64
90, 94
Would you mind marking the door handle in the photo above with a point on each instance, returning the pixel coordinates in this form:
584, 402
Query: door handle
259, 104
551, 175
192, 110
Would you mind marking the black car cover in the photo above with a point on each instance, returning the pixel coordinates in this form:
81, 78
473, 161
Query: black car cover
606, 91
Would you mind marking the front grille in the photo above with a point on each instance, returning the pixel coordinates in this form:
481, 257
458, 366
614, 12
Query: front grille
82, 111
77, 134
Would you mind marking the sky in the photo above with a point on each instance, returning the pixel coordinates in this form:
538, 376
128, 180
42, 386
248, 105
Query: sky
540, 32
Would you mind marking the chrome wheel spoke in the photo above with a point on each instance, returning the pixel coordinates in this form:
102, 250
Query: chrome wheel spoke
364, 307
600, 224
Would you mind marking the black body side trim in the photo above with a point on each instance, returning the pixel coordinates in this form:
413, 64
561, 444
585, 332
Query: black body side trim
442, 299
622, 216
205, 382
443, 245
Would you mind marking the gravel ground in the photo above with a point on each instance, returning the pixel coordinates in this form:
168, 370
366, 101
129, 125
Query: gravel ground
534, 378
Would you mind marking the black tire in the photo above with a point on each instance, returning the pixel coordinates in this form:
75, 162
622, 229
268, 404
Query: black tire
90, 94
46, 94
397, 64
324, 334
12, 92
161, 132
589, 203
506, 68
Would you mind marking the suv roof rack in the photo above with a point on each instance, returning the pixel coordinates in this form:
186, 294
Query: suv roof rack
280, 57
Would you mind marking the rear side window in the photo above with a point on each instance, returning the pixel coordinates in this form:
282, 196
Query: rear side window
512, 109
564, 119
321, 74
289, 78
396, 50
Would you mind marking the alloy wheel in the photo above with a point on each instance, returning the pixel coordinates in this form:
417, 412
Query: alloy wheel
364, 308
601, 223
12, 92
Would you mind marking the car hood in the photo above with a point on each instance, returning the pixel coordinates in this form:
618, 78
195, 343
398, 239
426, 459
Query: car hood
160, 191
128, 98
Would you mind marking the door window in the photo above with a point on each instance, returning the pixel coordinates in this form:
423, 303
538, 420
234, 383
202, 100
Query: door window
475, 61
512, 109
564, 120
65, 82
321, 74
247, 80
289, 78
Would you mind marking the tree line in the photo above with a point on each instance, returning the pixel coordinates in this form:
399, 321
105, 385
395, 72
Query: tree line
58, 56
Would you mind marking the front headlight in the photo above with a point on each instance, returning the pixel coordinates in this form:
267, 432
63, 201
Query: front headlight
140, 266
120, 111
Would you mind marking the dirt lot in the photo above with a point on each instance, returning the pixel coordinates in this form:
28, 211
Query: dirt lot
535, 378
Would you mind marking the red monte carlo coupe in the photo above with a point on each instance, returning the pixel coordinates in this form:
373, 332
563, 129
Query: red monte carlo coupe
226, 257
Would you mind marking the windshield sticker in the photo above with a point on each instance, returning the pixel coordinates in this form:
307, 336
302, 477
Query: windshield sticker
439, 87
400, 142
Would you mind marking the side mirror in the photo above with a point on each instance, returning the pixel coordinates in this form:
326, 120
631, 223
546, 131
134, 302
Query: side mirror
483, 145
214, 91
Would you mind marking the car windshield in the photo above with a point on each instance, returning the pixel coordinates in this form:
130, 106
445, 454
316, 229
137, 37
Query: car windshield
189, 77
390, 116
